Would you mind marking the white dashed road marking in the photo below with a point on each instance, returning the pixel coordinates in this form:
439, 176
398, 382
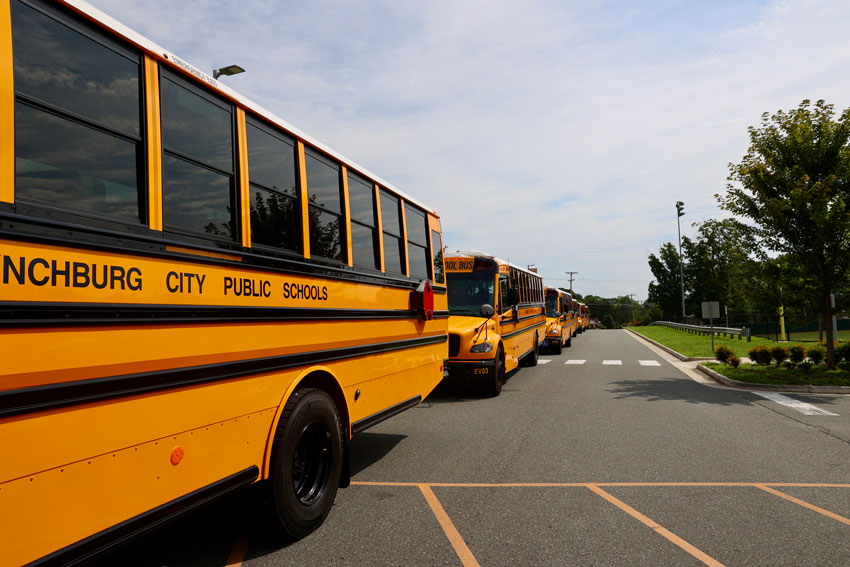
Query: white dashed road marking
544, 361
575, 362
612, 363
802, 407
649, 363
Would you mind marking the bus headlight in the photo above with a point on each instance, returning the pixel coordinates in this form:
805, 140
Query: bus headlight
483, 347
555, 331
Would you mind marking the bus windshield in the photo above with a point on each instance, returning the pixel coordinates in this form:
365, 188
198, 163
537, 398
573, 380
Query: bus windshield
469, 291
552, 306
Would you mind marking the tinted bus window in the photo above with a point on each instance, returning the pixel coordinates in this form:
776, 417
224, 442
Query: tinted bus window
393, 243
275, 218
417, 242
325, 211
197, 164
437, 253
77, 118
364, 232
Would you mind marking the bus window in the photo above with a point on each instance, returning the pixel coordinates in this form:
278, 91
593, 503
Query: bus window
417, 242
364, 228
326, 220
197, 160
393, 244
437, 252
275, 218
75, 89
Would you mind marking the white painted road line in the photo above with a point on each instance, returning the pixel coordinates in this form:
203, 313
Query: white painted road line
575, 362
802, 407
612, 363
544, 361
649, 363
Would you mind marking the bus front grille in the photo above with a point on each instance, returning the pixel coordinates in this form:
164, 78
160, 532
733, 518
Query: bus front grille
454, 344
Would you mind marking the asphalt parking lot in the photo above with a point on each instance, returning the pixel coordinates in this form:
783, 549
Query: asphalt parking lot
607, 454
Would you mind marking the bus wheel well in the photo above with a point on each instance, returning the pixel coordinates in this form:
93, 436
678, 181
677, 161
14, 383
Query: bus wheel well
326, 382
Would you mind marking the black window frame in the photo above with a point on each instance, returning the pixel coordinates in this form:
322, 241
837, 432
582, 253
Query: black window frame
166, 74
51, 211
257, 122
343, 233
376, 250
423, 245
399, 239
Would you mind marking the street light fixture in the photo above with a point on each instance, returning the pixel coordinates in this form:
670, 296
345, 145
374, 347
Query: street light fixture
229, 70
680, 211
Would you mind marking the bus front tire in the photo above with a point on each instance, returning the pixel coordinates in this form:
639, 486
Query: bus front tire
493, 387
558, 345
306, 462
531, 358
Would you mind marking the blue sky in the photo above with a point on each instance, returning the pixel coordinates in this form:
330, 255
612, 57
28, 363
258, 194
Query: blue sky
554, 133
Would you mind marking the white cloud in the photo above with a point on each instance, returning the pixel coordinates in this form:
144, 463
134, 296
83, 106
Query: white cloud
577, 125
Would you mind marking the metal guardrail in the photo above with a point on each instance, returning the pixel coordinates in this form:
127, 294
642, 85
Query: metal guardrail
702, 330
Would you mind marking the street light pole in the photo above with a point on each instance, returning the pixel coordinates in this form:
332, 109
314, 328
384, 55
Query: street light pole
680, 210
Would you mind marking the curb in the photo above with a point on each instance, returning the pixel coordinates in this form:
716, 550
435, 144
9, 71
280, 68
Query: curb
746, 385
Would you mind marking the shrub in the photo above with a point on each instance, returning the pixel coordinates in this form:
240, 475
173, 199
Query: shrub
779, 354
734, 361
816, 353
844, 365
805, 366
723, 353
760, 355
789, 365
796, 353
842, 352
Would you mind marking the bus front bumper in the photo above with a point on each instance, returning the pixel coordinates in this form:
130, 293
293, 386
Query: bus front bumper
462, 370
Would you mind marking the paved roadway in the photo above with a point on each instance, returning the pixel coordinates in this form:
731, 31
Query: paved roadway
589, 463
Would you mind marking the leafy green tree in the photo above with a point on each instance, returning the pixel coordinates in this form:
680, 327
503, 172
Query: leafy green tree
666, 290
794, 185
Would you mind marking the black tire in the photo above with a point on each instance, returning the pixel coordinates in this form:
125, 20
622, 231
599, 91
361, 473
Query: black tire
493, 386
306, 462
569, 342
531, 358
558, 345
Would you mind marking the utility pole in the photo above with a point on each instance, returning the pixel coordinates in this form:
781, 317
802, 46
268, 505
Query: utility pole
571, 279
680, 210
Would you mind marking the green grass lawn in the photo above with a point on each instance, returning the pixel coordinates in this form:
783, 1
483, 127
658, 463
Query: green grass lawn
755, 374
698, 345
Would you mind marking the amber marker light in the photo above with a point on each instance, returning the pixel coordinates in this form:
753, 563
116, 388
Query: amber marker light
177, 455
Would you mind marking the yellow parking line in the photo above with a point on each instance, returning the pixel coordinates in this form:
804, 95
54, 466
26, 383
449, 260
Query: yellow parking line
655, 526
805, 504
462, 550
237, 554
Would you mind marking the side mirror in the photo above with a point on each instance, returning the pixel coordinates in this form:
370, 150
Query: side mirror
487, 310
513, 296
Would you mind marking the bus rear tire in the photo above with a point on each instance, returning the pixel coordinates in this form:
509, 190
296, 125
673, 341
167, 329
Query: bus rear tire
306, 462
531, 358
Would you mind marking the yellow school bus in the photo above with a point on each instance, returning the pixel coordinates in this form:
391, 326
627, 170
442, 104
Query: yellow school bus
561, 322
584, 317
194, 295
497, 318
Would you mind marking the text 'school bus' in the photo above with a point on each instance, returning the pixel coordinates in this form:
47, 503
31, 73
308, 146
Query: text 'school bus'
195, 296
496, 318
561, 322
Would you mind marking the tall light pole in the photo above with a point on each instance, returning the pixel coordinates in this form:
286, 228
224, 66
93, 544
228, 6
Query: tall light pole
680, 211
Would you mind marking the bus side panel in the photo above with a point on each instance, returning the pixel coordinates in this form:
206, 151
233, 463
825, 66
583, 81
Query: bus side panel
55, 508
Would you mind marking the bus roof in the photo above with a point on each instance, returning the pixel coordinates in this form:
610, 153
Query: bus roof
470, 253
163, 55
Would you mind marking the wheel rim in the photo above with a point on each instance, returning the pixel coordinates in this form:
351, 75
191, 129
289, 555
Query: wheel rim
311, 463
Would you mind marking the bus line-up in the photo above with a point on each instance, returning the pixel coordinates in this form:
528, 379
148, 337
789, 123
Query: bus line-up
196, 296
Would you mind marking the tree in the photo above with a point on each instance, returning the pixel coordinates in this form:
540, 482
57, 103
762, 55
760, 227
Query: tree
666, 290
794, 184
